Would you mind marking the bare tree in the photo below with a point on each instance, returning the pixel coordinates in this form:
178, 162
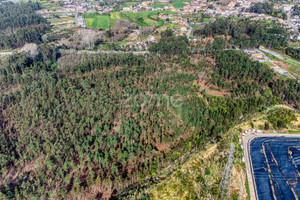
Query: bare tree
31, 49
86, 37
45, 38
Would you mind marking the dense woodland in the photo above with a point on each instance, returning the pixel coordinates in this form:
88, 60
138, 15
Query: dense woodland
169, 44
79, 125
92, 126
293, 52
245, 33
19, 24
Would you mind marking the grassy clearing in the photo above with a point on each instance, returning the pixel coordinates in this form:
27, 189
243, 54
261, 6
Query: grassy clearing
170, 25
89, 15
206, 19
101, 21
89, 22
295, 45
178, 5
97, 21
269, 64
268, 21
129, 3
151, 22
158, 5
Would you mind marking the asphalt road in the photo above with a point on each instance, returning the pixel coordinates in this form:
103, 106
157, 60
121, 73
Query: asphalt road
104, 52
6, 53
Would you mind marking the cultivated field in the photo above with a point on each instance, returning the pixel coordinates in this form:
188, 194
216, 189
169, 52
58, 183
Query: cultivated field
97, 21
146, 18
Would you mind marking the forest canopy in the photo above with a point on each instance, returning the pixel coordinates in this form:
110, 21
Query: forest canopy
19, 24
96, 125
72, 122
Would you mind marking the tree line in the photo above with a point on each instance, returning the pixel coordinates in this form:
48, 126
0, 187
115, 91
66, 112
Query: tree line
293, 52
245, 33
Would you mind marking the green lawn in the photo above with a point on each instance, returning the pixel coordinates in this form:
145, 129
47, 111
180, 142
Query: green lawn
151, 22
89, 15
97, 21
101, 21
129, 3
158, 5
178, 5
206, 19
268, 21
295, 45
89, 22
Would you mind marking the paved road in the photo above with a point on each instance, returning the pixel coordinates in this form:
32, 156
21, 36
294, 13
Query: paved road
6, 53
249, 170
246, 141
279, 56
104, 52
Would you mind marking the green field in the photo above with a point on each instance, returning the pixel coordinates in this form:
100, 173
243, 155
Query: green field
178, 5
97, 21
93, 20
129, 3
158, 5
144, 18
206, 19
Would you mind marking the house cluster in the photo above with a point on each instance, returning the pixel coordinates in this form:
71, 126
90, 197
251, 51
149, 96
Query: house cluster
63, 16
251, 131
190, 7
237, 8
261, 57
295, 37
257, 55
140, 45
